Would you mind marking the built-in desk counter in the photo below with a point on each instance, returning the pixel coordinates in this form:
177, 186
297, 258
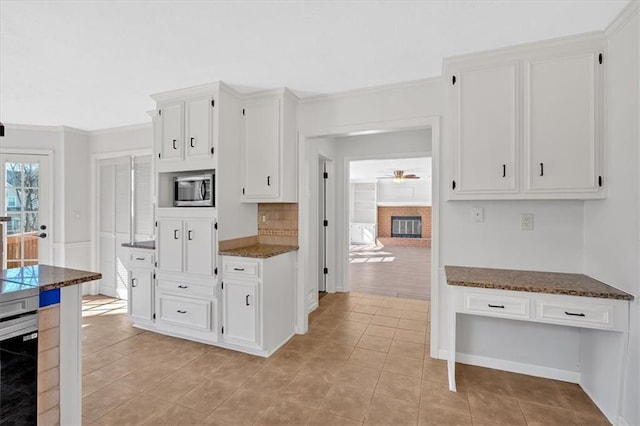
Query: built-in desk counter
573, 300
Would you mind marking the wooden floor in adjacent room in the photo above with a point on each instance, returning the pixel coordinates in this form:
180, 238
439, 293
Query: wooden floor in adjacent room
391, 271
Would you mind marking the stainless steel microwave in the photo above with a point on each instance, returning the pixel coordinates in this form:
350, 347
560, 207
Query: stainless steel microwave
194, 191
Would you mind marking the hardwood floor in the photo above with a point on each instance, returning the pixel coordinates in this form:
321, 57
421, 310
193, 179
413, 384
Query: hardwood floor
391, 271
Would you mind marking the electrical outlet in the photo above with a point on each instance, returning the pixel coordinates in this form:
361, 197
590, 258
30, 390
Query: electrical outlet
477, 214
526, 221
264, 218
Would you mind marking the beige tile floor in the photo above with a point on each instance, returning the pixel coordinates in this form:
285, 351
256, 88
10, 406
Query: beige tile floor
365, 360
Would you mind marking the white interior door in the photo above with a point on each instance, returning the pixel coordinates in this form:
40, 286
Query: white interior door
26, 202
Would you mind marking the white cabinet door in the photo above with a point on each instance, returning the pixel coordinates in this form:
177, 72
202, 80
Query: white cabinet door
261, 148
170, 245
140, 294
200, 243
486, 129
240, 307
171, 124
198, 131
356, 234
560, 123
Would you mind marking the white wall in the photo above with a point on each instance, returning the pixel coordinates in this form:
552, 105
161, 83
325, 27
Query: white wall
409, 192
69, 189
120, 139
612, 231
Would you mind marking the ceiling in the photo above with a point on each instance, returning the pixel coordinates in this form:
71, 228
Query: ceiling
92, 65
370, 170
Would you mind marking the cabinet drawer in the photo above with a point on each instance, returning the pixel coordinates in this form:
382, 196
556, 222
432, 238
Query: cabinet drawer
576, 314
239, 268
185, 288
498, 305
187, 312
141, 259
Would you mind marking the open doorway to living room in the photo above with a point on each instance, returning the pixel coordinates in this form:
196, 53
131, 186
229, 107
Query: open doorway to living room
390, 227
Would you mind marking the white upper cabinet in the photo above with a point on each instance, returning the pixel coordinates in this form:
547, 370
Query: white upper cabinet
560, 123
486, 129
269, 150
526, 122
198, 131
186, 129
262, 148
171, 128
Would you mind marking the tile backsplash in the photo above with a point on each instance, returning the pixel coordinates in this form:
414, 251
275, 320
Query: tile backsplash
278, 223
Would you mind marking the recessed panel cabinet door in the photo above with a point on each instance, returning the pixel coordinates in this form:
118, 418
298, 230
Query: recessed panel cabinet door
140, 296
240, 310
560, 123
200, 241
261, 148
486, 129
171, 124
198, 128
170, 245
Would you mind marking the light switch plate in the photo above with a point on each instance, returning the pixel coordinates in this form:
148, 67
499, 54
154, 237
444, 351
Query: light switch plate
526, 221
477, 214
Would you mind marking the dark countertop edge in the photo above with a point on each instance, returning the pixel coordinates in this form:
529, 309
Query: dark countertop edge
246, 251
145, 245
67, 283
560, 291
614, 294
5, 219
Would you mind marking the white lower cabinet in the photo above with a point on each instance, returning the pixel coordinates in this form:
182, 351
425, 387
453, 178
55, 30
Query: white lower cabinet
141, 282
240, 313
258, 302
182, 311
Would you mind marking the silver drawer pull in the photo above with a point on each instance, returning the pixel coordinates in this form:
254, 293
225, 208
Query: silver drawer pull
238, 269
574, 314
140, 258
181, 312
183, 286
496, 306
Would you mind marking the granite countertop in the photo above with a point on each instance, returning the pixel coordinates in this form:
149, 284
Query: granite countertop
147, 245
46, 277
532, 281
259, 251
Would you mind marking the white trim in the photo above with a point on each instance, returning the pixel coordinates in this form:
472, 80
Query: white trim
313, 307
514, 367
368, 90
403, 204
622, 421
119, 129
71, 355
625, 15
428, 122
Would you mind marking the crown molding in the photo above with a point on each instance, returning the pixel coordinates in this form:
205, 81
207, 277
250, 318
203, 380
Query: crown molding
625, 15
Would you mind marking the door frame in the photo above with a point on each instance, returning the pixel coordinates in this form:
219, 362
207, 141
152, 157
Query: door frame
306, 186
92, 288
52, 219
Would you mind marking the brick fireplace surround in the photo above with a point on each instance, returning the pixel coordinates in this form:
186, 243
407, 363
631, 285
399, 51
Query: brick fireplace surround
384, 225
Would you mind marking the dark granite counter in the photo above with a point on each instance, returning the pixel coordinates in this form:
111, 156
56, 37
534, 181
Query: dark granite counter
259, 251
147, 245
45, 277
532, 281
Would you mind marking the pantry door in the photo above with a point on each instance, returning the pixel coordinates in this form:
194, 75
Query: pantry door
26, 181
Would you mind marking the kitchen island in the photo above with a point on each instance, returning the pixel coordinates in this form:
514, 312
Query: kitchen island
60, 336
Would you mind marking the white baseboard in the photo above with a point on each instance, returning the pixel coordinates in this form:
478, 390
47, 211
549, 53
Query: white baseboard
108, 291
515, 367
312, 307
609, 416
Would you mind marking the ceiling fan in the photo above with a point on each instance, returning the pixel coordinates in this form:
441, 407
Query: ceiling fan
400, 176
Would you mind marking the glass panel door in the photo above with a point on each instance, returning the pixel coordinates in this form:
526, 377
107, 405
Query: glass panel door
27, 235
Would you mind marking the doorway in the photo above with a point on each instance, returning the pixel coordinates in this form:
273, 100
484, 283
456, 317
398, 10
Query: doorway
390, 226
27, 204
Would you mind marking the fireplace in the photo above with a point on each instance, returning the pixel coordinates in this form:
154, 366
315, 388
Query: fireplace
406, 227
